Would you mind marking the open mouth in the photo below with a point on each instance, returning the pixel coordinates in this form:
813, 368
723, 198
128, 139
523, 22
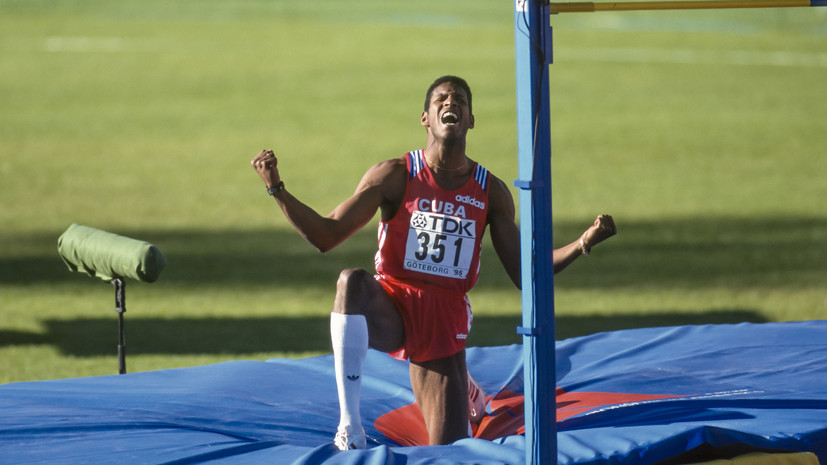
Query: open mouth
450, 118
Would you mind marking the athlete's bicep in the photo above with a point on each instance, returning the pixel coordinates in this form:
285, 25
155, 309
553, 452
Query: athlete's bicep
377, 189
505, 236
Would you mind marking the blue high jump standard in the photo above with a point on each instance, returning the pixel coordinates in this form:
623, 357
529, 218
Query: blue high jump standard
533, 50
533, 55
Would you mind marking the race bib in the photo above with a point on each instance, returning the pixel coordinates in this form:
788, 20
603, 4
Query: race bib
440, 244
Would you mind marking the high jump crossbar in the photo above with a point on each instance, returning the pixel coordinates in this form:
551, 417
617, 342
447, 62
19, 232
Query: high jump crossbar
589, 7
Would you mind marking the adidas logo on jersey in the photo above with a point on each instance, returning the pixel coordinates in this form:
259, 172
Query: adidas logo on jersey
470, 201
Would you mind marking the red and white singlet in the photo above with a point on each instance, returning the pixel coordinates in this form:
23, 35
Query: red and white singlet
436, 235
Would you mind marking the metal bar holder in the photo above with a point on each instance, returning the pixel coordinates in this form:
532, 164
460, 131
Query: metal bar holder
120, 307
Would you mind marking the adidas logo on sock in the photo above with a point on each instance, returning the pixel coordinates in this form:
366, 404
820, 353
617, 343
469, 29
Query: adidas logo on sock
353, 377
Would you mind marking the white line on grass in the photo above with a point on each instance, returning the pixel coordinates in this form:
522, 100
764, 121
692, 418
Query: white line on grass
80, 44
84, 44
686, 56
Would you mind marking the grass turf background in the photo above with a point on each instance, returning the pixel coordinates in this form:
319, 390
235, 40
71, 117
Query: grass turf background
703, 133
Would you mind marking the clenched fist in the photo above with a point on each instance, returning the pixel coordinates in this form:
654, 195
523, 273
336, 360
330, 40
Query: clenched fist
602, 229
265, 164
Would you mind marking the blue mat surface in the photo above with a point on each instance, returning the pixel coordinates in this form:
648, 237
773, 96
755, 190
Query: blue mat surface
635, 396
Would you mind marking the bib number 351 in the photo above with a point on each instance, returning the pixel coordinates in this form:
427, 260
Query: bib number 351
440, 245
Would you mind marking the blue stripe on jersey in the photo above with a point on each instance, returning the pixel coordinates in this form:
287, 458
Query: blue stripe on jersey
416, 162
481, 175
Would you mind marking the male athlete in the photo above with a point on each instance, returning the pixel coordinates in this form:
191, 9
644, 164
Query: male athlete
434, 205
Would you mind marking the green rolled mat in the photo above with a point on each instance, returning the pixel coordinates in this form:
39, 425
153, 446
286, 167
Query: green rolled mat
107, 256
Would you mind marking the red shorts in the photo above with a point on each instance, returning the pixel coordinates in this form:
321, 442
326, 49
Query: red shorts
437, 321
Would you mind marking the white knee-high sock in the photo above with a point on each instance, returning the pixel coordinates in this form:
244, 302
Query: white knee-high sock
349, 336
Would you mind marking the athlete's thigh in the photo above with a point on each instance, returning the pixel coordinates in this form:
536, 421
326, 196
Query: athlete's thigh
358, 292
386, 328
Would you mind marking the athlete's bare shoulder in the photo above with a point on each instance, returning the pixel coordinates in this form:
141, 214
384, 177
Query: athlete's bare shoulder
389, 168
389, 178
500, 200
385, 174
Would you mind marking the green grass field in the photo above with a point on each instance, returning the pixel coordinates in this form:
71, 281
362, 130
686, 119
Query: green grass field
703, 133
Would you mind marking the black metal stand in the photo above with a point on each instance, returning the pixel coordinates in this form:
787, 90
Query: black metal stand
120, 307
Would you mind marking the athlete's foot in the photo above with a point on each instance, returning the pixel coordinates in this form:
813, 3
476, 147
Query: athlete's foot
476, 401
349, 437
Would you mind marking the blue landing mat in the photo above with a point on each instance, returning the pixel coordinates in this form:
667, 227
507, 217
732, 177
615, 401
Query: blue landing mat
635, 396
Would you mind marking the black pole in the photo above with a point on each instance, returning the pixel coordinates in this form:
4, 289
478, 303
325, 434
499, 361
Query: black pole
120, 307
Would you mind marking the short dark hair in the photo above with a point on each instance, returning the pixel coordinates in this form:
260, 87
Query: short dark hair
456, 81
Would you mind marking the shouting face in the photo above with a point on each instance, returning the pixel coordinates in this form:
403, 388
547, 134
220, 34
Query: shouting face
449, 114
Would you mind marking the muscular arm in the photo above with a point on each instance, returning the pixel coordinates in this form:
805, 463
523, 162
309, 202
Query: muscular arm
377, 189
602, 229
506, 236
